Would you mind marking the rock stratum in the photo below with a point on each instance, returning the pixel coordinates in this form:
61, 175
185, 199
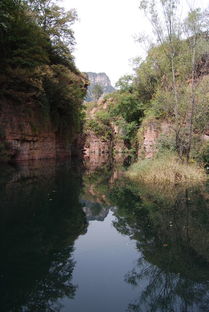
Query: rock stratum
28, 133
25, 137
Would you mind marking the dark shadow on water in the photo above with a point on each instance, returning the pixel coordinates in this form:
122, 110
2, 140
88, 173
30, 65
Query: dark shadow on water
40, 218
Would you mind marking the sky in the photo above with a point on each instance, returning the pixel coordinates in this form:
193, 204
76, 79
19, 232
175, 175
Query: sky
106, 34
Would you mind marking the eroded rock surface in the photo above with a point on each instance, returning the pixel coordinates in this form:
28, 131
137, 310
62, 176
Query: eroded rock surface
24, 136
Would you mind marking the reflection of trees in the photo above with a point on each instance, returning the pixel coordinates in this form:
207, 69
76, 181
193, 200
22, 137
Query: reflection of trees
166, 291
40, 219
172, 235
96, 184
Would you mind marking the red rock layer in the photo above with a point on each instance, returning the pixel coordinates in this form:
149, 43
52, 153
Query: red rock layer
28, 135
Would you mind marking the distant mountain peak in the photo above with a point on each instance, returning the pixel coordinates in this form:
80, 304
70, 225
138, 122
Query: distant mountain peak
98, 79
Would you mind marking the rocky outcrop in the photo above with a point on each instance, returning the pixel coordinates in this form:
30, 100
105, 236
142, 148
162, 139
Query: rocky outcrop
26, 135
149, 134
96, 145
100, 79
154, 131
97, 148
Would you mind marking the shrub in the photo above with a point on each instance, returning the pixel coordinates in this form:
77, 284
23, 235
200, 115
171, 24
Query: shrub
166, 143
166, 169
203, 154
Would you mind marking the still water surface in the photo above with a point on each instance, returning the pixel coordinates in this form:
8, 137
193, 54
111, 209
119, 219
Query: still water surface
75, 240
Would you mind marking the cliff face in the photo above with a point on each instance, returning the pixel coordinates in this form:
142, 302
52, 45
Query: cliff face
149, 134
100, 79
41, 90
96, 145
106, 139
153, 131
42, 120
26, 136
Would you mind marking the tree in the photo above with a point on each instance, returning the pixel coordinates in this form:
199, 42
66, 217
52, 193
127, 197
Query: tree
97, 91
23, 43
180, 49
125, 83
166, 29
56, 23
195, 28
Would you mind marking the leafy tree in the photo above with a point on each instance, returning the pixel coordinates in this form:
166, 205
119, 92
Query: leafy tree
169, 73
23, 42
64, 96
125, 83
195, 26
97, 91
54, 20
56, 23
126, 105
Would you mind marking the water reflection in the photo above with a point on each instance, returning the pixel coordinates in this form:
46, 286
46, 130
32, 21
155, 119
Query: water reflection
172, 235
42, 214
40, 219
96, 185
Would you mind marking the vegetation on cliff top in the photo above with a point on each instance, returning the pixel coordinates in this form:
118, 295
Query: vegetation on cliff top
37, 69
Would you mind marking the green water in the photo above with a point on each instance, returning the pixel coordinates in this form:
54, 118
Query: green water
89, 240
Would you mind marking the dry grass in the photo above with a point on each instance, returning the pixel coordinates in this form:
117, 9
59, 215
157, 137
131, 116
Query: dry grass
166, 170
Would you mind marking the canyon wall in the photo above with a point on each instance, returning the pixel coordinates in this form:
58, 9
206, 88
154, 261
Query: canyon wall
149, 134
25, 134
103, 139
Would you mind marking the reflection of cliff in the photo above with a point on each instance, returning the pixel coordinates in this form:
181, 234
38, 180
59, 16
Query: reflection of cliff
99, 175
94, 161
172, 238
40, 219
94, 210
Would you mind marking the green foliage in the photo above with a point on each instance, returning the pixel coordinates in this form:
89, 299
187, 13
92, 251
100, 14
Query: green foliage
97, 91
128, 106
201, 116
103, 116
54, 20
23, 43
128, 129
202, 154
56, 24
64, 93
166, 169
99, 128
37, 69
167, 79
125, 83
166, 143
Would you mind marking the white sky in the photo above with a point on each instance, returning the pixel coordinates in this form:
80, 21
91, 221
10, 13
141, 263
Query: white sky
105, 34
